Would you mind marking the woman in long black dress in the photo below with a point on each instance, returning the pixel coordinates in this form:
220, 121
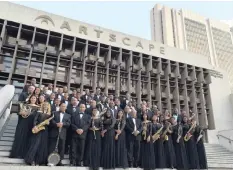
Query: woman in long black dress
147, 157
23, 130
108, 142
157, 129
198, 135
170, 157
38, 148
178, 143
190, 144
37, 94
92, 155
121, 152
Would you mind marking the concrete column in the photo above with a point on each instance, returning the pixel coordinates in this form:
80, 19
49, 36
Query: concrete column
84, 65
129, 67
148, 73
210, 116
139, 84
58, 60
14, 55
107, 69
176, 96
168, 92
118, 79
95, 79
158, 88
30, 56
71, 63
45, 55
3, 33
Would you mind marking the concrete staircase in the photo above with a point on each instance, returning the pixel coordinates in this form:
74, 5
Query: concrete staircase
218, 157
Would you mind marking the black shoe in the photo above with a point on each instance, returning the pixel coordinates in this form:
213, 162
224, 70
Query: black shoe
130, 165
81, 163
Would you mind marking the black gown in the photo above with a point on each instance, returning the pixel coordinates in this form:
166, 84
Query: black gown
181, 156
38, 145
108, 144
170, 157
200, 148
92, 155
158, 148
120, 144
147, 157
22, 135
191, 149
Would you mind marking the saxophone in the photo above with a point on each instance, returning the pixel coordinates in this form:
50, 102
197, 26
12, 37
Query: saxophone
164, 135
93, 127
156, 136
42, 125
118, 128
188, 135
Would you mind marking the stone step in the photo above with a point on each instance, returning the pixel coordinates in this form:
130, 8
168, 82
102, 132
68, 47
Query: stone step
10, 127
8, 134
5, 148
7, 139
6, 143
9, 131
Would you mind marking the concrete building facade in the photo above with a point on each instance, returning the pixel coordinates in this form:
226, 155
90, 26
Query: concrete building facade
186, 30
58, 50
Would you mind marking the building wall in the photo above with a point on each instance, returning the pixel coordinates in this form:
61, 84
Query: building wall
222, 106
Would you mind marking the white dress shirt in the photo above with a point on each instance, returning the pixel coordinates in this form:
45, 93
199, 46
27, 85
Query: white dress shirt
57, 108
81, 115
61, 117
134, 121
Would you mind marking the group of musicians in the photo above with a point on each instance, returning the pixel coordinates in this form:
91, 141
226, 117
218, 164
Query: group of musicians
96, 130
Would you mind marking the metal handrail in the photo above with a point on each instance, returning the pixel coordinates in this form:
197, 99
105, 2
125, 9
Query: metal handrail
225, 137
5, 108
224, 130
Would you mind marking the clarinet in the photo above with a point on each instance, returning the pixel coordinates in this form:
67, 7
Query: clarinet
118, 128
93, 127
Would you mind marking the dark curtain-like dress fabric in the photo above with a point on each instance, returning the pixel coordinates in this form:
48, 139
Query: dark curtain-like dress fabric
170, 157
120, 144
22, 135
200, 148
108, 144
38, 145
191, 149
158, 148
181, 157
92, 155
147, 157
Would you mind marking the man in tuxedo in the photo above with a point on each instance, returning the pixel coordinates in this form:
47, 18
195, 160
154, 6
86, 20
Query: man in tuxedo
112, 108
33, 83
58, 127
56, 105
24, 95
51, 99
118, 105
126, 100
72, 108
60, 94
145, 110
66, 99
133, 130
93, 106
74, 93
80, 123
127, 111
97, 96
86, 96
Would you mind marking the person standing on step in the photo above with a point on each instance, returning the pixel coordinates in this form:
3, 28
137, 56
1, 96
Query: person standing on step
80, 123
61, 120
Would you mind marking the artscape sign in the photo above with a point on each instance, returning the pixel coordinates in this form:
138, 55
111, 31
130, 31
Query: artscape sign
111, 37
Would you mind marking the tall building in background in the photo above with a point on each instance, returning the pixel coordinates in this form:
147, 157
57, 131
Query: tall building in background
189, 31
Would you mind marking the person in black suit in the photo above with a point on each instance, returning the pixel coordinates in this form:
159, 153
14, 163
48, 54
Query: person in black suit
56, 106
118, 105
72, 108
59, 94
145, 110
51, 99
97, 96
86, 96
93, 106
74, 93
112, 108
80, 123
33, 83
66, 99
61, 121
126, 100
24, 95
133, 129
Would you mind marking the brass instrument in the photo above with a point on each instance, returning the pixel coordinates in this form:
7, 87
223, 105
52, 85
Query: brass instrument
199, 136
144, 129
188, 135
179, 133
156, 136
164, 135
25, 109
27, 99
93, 127
118, 128
42, 125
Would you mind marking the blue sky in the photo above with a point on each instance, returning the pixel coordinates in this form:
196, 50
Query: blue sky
128, 17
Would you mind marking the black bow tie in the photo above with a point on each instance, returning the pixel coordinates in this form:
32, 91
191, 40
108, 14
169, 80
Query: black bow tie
81, 113
62, 113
